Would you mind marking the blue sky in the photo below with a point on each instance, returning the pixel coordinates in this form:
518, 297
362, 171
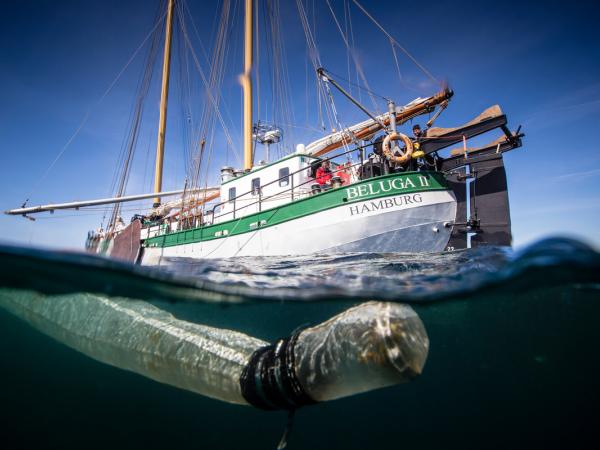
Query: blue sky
539, 61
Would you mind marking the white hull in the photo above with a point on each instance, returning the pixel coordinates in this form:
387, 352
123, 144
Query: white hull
416, 222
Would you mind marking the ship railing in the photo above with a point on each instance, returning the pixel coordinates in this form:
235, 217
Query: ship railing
292, 189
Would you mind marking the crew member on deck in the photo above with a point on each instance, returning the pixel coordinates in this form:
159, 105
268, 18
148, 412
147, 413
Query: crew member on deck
324, 174
378, 163
343, 171
424, 162
418, 134
418, 162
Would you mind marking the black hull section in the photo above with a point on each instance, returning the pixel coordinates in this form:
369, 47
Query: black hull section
487, 204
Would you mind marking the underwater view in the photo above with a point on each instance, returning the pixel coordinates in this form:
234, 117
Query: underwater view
506, 344
339, 224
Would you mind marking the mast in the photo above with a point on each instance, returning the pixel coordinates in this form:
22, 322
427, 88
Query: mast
164, 95
247, 85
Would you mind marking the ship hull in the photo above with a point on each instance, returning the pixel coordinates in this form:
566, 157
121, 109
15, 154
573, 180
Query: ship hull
413, 222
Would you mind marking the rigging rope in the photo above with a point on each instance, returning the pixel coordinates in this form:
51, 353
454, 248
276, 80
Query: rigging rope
206, 125
209, 93
353, 43
206, 129
257, 59
281, 85
89, 111
315, 59
389, 36
130, 144
357, 64
396, 60
358, 86
346, 32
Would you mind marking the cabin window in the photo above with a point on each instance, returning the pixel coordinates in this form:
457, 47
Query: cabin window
231, 194
284, 176
255, 186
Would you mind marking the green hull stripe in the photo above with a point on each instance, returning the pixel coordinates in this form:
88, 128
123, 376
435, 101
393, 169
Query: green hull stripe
383, 186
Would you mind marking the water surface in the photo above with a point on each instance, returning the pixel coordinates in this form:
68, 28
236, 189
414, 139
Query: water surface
513, 358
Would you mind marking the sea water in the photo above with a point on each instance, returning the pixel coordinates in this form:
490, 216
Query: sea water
513, 361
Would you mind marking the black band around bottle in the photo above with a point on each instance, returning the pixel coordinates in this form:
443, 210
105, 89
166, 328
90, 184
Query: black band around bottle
269, 379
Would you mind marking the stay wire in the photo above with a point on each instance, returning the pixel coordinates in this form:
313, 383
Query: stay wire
210, 95
351, 83
135, 128
216, 75
129, 143
391, 38
89, 111
315, 59
356, 62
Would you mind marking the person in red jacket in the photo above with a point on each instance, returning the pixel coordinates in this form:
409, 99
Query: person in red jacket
343, 171
324, 174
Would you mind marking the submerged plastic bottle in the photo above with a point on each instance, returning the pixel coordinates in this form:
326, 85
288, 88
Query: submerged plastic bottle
137, 336
366, 347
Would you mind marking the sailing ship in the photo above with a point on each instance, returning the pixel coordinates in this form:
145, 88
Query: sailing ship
366, 187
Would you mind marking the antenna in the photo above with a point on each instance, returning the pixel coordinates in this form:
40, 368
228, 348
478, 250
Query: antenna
266, 134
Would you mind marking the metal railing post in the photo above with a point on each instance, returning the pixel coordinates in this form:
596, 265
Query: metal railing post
292, 187
292, 183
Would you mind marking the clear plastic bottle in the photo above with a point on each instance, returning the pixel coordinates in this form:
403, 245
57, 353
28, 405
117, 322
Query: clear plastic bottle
366, 347
137, 336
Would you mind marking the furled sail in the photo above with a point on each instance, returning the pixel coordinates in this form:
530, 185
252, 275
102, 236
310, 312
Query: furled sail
367, 128
191, 200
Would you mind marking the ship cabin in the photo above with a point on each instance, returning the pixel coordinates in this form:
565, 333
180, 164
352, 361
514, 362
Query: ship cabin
265, 186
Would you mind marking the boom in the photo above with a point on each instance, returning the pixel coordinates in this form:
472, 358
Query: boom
102, 201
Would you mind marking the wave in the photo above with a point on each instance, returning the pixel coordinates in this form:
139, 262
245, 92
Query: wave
411, 278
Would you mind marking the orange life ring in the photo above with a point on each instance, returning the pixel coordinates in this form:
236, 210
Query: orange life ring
404, 156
